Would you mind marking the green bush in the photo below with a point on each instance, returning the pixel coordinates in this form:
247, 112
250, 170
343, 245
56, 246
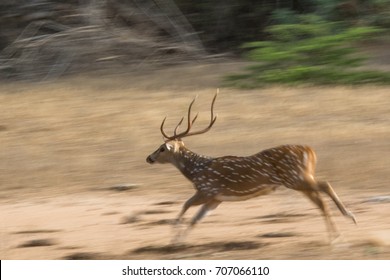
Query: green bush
308, 49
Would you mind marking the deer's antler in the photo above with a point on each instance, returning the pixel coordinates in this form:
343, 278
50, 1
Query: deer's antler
190, 122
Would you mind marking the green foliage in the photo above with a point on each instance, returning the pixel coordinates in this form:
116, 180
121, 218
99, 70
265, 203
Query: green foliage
226, 24
309, 49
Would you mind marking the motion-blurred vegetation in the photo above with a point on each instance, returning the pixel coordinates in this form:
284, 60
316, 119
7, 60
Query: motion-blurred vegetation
226, 24
44, 39
309, 49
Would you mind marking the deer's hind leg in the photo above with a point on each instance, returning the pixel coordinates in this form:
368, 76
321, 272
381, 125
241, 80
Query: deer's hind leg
315, 197
309, 187
327, 188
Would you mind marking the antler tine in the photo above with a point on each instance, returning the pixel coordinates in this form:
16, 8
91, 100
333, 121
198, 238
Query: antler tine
194, 119
162, 131
189, 123
175, 131
212, 119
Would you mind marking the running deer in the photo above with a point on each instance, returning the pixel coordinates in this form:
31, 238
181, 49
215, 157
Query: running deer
233, 178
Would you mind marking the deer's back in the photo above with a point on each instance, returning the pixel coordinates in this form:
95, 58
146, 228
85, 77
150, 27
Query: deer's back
282, 165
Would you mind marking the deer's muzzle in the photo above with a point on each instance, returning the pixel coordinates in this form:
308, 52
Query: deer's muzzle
149, 160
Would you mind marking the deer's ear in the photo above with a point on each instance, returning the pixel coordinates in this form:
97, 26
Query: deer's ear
169, 147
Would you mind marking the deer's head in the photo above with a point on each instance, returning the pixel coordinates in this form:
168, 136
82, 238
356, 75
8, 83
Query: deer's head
173, 144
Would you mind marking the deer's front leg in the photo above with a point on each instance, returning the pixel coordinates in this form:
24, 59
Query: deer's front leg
206, 207
210, 205
196, 199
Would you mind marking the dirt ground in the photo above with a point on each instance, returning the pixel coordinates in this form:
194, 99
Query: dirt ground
74, 183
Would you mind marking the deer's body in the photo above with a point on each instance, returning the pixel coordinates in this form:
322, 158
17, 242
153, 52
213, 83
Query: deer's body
233, 178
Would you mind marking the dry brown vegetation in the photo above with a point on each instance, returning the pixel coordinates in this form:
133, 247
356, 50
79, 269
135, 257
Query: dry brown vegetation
74, 183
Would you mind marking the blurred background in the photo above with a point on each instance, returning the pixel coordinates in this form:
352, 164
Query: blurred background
85, 85
42, 39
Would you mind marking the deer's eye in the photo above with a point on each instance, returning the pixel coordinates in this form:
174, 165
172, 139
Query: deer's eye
162, 149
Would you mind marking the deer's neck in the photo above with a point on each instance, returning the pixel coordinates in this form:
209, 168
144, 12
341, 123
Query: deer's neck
189, 163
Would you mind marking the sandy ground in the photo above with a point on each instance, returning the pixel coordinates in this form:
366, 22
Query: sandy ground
74, 183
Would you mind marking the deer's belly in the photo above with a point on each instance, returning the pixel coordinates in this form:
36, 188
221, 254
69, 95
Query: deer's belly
245, 196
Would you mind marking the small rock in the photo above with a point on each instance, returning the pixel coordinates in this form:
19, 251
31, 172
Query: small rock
277, 234
129, 219
123, 187
37, 243
378, 199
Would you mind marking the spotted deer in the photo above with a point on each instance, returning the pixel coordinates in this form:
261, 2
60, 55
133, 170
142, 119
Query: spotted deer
234, 178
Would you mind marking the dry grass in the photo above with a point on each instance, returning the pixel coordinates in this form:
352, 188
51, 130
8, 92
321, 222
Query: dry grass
64, 145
